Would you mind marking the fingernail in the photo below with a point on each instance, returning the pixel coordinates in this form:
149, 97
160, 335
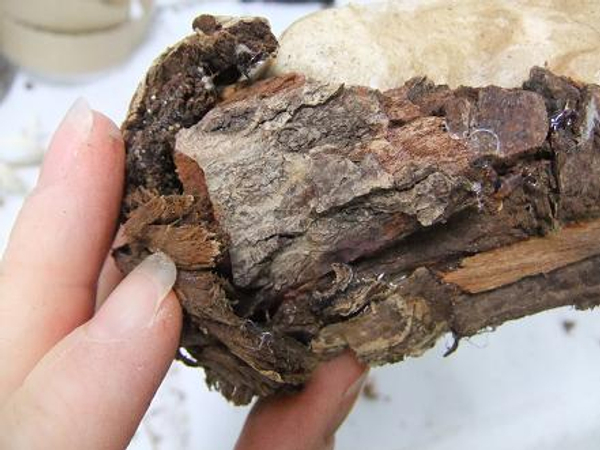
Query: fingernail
70, 139
135, 302
80, 119
346, 403
355, 388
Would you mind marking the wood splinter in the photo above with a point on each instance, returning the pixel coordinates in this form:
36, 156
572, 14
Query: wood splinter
500, 267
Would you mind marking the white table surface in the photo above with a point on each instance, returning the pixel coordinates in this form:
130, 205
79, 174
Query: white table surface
528, 385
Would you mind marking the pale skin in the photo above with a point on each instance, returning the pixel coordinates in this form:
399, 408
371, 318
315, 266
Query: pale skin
82, 350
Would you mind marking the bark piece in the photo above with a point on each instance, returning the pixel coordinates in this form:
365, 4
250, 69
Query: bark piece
307, 218
181, 86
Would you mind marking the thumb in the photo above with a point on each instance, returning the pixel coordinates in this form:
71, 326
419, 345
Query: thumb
307, 420
92, 389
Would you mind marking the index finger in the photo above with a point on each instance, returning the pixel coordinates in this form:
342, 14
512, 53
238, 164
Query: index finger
50, 268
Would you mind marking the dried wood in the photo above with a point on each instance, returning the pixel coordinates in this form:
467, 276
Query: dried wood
307, 218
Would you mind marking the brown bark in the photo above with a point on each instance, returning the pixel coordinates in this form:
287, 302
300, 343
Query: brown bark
308, 218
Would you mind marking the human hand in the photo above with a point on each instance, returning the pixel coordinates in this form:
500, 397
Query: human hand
74, 378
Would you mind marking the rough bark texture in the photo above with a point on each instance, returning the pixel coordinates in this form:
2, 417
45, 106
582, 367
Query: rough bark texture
308, 218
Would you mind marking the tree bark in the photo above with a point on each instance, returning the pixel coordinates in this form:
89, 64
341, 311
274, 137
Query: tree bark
308, 218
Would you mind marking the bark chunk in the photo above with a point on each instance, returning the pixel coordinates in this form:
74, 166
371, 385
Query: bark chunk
306, 218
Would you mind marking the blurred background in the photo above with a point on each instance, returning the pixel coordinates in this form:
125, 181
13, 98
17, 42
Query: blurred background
528, 385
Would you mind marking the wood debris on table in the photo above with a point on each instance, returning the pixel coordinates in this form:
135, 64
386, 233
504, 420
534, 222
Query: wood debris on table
23, 149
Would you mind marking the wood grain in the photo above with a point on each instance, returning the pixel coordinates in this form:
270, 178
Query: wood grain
502, 266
